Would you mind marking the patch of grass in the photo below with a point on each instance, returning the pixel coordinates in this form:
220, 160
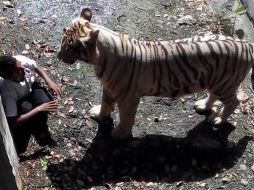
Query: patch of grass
240, 9
229, 23
44, 161
84, 70
173, 9
228, 27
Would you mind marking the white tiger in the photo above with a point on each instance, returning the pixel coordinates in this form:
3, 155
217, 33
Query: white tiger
129, 69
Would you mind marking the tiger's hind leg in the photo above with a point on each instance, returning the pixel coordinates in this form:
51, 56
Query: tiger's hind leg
127, 112
100, 112
230, 102
204, 106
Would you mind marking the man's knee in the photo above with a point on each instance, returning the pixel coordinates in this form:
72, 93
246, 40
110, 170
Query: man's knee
25, 107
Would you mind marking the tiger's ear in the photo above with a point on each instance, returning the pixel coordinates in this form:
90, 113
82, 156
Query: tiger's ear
86, 13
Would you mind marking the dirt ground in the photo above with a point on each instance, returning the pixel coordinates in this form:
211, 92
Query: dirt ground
172, 148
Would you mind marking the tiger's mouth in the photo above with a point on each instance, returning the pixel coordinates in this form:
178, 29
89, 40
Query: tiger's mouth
65, 59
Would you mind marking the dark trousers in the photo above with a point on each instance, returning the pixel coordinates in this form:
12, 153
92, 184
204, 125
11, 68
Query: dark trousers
37, 126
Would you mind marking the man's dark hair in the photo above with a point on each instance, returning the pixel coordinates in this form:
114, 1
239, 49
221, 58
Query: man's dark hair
7, 63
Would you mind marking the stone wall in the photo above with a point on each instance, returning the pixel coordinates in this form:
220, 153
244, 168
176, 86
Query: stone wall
249, 4
10, 178
239, 24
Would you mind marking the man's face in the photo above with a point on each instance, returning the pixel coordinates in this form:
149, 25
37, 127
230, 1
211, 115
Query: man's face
18, 73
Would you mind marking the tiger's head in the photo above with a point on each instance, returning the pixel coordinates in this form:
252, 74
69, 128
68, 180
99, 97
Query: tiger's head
79, 41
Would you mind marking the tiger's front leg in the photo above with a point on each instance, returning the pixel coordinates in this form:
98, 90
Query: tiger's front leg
204, 106
127, 112
100, 112
230, 102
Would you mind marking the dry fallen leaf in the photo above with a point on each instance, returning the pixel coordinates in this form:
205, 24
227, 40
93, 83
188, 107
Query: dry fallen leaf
25, 52
59, 121
249, 130
90, 103
64, 79
252, 167
203, 185
23, 18
108, 185
8, 4
3, 18
225, 179
179, 183
61, 114
44, 48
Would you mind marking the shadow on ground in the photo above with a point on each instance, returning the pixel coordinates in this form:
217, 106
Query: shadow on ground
157, 158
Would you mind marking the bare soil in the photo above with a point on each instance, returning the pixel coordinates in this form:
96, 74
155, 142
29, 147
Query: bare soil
172, 148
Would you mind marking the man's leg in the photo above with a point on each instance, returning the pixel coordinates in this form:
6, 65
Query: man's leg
41, 132
22, 133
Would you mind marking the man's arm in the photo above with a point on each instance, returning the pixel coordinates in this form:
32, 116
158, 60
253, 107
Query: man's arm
51, 84
17, 121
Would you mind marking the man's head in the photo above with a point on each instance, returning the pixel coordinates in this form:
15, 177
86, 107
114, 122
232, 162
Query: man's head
11, 68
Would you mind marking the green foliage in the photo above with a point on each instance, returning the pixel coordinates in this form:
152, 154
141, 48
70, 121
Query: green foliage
173, 9
227, 22
240, 9
44, 161
228, 27
84, 69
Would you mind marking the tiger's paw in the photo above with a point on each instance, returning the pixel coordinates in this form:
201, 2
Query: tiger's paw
200, 107
121, 133
215, 120
95, 113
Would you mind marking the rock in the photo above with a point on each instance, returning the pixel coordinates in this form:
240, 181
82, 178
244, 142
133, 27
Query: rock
19, 12
27, 46
83, 111
172, 18
243, 167
250, 7
71, 109
78, 65
244, 182
186, 20
204, 185
225, 179
242, 96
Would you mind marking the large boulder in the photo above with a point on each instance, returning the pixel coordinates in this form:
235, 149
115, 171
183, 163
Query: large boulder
249, 4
